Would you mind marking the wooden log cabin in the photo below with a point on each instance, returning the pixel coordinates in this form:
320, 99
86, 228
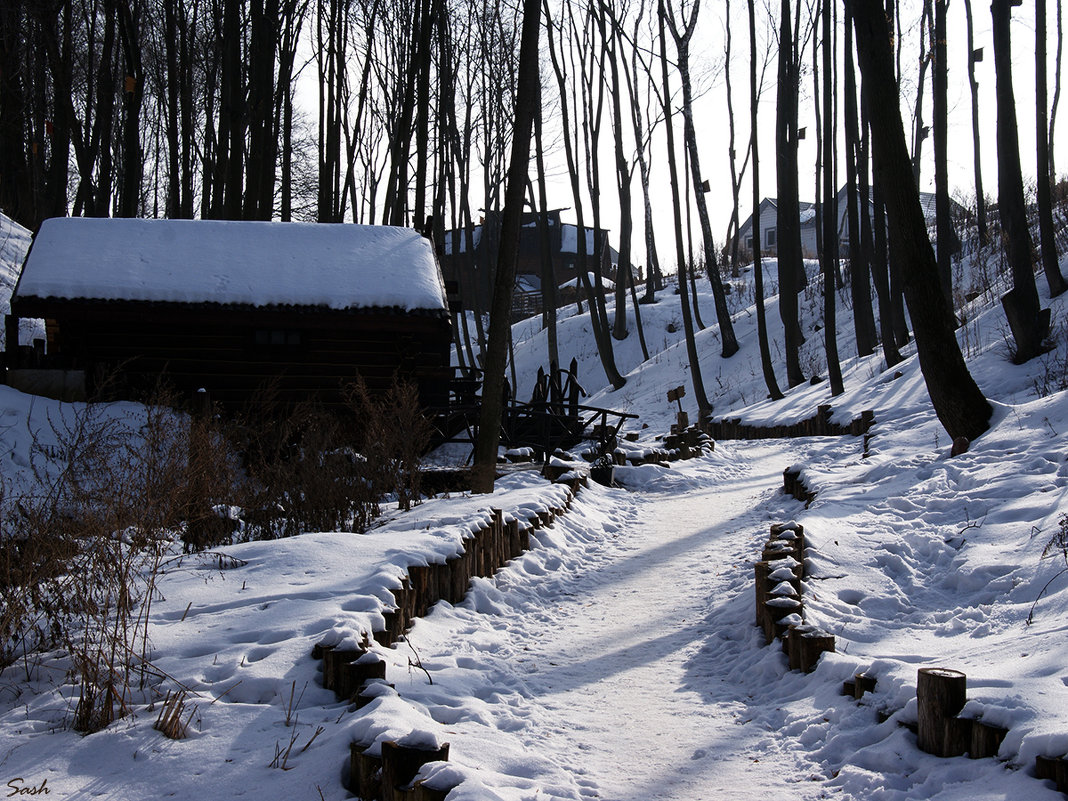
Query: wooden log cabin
229, 307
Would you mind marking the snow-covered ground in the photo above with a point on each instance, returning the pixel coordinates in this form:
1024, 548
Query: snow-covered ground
617, 659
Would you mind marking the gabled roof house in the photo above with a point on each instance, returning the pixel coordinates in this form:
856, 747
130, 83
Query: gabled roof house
769, 224
231, 307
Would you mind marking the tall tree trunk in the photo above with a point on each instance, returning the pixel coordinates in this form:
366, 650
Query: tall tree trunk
860, 284
16, 191
829, 256
1028, 322
1043, 176
1056, 91
728, 340
980, 198
233, 109
920, 131
957, 400
623, 178
946, 240
129, 204
788, 213
600, 332
704, 407
526, 106
758, 270
548, 270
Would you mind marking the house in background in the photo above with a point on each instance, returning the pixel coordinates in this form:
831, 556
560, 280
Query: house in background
469, 258
230, 307
809, 222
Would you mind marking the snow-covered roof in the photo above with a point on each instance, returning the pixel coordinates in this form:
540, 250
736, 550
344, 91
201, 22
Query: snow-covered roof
337, 266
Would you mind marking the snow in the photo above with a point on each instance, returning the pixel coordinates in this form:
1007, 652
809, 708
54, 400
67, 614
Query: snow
337, 266
618, 657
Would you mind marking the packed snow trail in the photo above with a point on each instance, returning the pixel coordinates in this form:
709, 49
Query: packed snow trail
641, 669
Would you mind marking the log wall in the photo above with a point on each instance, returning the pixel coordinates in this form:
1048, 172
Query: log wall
349, 672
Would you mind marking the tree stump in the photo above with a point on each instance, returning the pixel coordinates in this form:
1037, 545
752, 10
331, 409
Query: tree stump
777, 609
332, 662
365, 773
940, 696
400, 764
761, 571
986, 740
1053, 768
353, 675
813, 645
863, 683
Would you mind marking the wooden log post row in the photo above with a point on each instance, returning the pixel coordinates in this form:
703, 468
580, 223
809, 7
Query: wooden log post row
779, 605
819, 425
351, 672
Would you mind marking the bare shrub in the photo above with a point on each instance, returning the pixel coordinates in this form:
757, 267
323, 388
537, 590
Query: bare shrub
82, 548
394, 434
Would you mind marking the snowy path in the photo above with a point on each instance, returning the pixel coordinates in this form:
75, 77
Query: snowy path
647, 711
640, 667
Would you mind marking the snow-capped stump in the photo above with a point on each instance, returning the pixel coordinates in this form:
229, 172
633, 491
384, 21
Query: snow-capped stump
401, 761
365, 772
353, 675
805, 645
940, 696
986, 739
861, 683
777, 609
334, 660
1053, 768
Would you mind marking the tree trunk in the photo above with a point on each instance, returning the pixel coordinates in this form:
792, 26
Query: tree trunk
920, 131
600, 333
860, 285
1029, 323
788, 215
829, 255
704, 407
1043, 176
957, 400
946, 240
1056, 91
980, 199
758, 271
526, 106
728, 340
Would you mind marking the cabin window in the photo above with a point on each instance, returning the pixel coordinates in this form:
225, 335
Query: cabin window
277, 338
771, 238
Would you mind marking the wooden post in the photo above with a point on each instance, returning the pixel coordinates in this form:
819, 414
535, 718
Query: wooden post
940, 696
365, 775
401, 763
863, 683
353, 675
760, 571
986, 740
332, 662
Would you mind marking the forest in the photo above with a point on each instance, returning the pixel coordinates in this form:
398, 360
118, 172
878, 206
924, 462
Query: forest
405, 113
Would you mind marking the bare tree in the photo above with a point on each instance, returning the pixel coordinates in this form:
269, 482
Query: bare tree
1043, 176
682, 33
758, 270
973, 57
704, 407
791, 265
957, 400
526, 108
829, 254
